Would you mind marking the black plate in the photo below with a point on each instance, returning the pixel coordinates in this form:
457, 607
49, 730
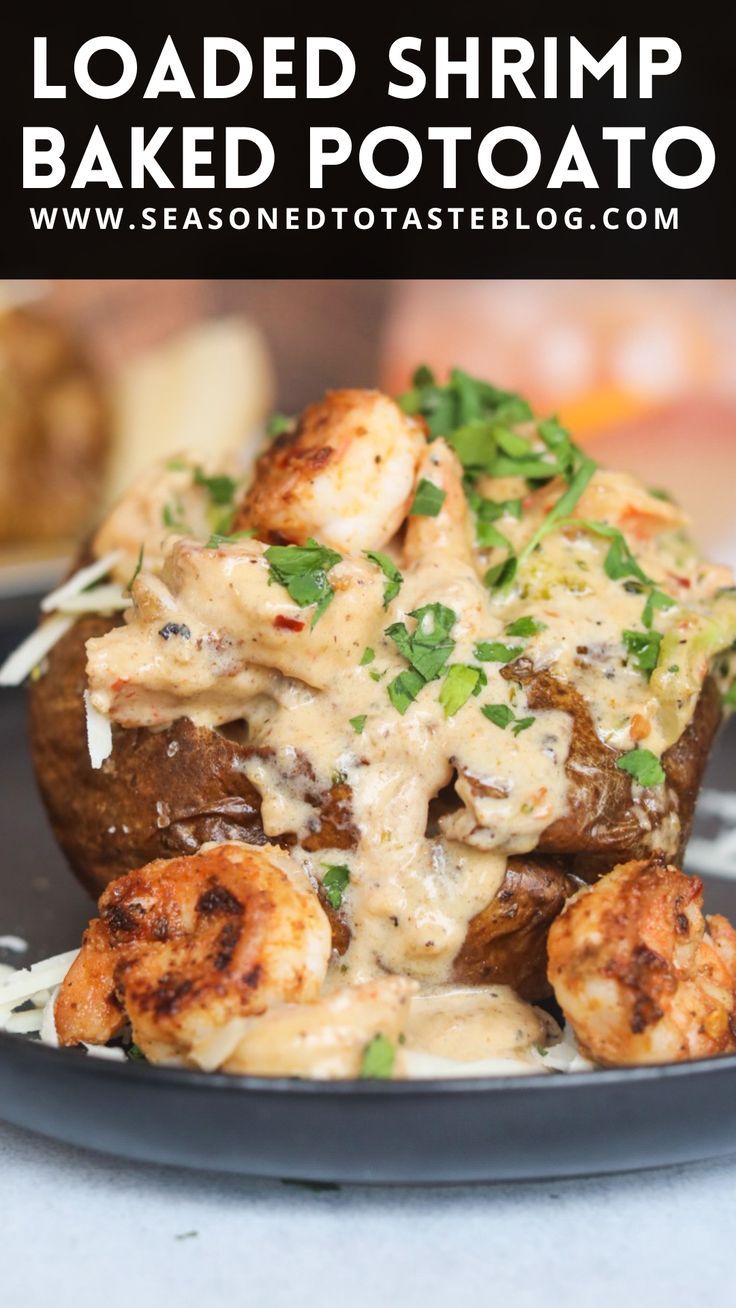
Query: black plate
491, 1129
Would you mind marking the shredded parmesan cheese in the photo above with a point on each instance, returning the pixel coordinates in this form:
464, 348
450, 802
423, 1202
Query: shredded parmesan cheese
99, 733
33, 650
60, 598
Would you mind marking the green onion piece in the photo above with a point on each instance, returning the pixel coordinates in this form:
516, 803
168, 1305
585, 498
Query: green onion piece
358, 723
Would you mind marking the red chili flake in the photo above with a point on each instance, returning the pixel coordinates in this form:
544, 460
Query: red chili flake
118, 685
287, 624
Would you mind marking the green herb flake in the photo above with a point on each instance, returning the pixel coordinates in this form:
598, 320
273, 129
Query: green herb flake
428, 500
177, 465
430, 645
522, 724
358, 723
135, 1054
221, 488
643, 648
216, 539
136, 570
502, 716
403, 690
390, 571
643, 766
501, 575
729, 699
171, 516
303, 569
367, 656
334, 882
378, 1059
656, 600
278, 423
461, 681
525, 626
562, 508
494, 651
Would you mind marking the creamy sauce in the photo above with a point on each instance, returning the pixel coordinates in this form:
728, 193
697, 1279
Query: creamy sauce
238, 648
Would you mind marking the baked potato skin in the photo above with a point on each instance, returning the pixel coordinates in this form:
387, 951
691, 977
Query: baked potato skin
506, 943
601, 827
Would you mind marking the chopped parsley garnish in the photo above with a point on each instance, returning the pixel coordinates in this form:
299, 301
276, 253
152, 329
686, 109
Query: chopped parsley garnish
221, 488
428, 500
729, 698
489, 537
643, 766
656, 600
430, 645
367, 656
501, 574
334, 882
562, 508
515, 446
643, 646
357, 723
487, 513
501, 716
216, 540
303, 569
377, 676
278, 423
390, 572
463, 400
378, 1059
403, 690
461, 681
427, 649
526, 626
494, 651
135, 1054
136, 570
177, 465
172, 517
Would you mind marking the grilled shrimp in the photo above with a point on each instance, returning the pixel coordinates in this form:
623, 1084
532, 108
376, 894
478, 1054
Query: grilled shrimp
184, 945
640, 974
345, 476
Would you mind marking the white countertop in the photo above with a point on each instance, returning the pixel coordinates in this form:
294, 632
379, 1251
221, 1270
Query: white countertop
79, 1228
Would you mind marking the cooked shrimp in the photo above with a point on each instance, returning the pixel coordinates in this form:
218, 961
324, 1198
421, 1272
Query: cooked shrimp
345, 476
640, 974
164, 499
450, 531
184, 945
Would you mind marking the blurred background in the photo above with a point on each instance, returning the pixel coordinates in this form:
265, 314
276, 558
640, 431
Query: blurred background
99, 377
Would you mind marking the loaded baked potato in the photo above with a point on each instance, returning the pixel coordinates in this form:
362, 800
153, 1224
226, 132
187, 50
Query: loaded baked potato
432, 650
